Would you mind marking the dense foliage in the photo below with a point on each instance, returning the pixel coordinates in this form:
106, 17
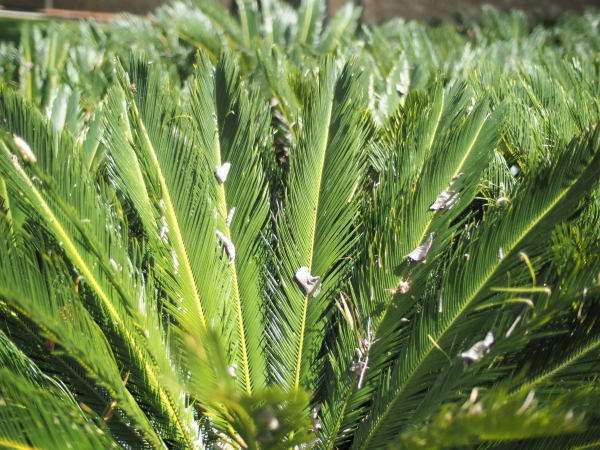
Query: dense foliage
261, 231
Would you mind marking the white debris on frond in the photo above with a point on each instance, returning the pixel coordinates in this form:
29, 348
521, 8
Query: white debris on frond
421, 251
455, 178
228, 245
404, 286
25, 149
175, 261
230, 217
306, 280
231, 371
472, 105
445, 200
479, 349
314, 418
164, 230
113, 265
266, 415
221, 172
15, 160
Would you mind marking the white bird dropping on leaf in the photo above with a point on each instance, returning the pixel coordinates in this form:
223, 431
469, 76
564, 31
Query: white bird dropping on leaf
421, 251
113, 265
445, 199
221, 172
404, 286
230, 217
266, 415
228, 245
306, 280
314, 418
455, 178
231, 370
25, 150
479, 349
175, 261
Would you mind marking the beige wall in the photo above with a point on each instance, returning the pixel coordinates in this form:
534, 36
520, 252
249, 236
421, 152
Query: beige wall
373, 10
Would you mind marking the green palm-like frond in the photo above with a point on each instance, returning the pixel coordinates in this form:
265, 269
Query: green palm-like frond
447, 142
317, 224
78, 218
192, 26
310, 18
44, 417
233, 128
150, 139
64, 322
222, 20
340, 29
523, 230
492, 417
272, 231
44, 58
221, 125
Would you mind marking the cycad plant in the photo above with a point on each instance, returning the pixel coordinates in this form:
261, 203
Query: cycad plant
255, 231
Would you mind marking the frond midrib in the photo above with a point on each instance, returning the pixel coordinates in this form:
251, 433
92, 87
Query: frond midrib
340, 416
306, 24
593, 345
170, 211
15, 445
236, 289
456, 172
312, 240
390, 298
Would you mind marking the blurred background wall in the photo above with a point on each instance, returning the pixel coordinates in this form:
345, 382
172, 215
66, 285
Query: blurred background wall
378, 10
373, 10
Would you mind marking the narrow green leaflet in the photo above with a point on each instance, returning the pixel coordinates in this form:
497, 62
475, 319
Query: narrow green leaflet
310, 19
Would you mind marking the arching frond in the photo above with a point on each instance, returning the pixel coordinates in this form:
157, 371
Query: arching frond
491, 417
78, 218
316, 227
448, 151
44, 418
523, 230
